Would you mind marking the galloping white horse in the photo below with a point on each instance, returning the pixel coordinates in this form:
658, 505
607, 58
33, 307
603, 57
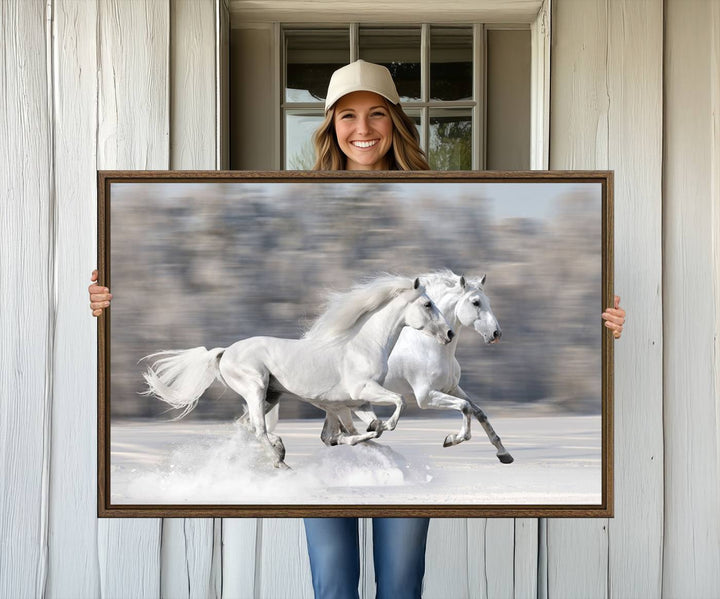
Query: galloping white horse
342, 358
430, 371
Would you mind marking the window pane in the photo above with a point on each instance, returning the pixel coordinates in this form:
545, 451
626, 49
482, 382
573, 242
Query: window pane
299, 149
450, 140
399, 51
451, 56
311, 58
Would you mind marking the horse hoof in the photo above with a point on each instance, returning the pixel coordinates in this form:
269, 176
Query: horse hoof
506, 458
449, 441
282, 466
280, 449
376, 426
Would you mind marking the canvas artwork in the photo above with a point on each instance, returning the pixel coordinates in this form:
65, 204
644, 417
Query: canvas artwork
286, 344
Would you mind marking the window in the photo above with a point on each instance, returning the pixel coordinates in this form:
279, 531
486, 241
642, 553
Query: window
468, 88
437, 70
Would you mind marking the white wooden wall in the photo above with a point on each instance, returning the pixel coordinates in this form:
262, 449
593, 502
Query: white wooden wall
635, 87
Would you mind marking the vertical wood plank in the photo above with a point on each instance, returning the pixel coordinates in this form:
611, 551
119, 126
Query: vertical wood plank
222, 61
193, 106
187, 558
491, 546
542, 578
579, 99
133, 119
129, 558
476, 563
577, 550
239, 557
73, 563
190, 567
26, 303
448, 560
577, 558
216, 573
692, 398
526, 558
500, 556
133, 133
284, 565
635, 89
715, 193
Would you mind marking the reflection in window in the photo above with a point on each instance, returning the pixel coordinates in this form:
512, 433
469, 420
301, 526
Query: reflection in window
299, 148
311, 57
450, 146
451, 63
399, 51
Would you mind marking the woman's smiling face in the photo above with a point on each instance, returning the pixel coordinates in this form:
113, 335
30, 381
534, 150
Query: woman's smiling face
364, 130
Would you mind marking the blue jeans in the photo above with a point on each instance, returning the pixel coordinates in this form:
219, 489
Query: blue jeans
398, 553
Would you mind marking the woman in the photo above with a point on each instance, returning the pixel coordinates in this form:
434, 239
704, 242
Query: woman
365, 129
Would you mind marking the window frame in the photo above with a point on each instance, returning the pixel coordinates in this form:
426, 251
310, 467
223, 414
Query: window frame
540, 28
476, 106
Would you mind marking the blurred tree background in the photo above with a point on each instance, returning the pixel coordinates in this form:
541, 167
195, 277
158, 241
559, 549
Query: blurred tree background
208, 264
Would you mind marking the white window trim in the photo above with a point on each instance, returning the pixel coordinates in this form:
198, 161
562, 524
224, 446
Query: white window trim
540, 89
331, 11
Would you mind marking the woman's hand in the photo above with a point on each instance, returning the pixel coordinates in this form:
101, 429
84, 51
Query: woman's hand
99, 296
615, 318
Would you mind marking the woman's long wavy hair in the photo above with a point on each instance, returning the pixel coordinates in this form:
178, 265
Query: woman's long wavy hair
405, 153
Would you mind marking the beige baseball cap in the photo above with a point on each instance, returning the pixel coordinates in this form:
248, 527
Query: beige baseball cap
361, 76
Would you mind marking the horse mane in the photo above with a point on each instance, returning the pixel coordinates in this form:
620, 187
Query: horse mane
446, 278
344, 310
440, 278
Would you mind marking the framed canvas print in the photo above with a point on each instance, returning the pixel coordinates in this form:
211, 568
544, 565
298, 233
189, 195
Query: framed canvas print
360, 344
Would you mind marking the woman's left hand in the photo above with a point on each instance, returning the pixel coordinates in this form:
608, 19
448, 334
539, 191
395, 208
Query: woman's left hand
615, 318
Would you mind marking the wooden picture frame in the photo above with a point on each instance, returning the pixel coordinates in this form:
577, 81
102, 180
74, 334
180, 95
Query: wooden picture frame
202, 258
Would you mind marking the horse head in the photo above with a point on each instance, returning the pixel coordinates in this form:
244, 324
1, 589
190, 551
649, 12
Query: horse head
473, 310
423, 315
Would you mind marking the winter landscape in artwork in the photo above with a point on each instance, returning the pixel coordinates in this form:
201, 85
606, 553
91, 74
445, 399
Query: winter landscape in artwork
285, 366
557, 461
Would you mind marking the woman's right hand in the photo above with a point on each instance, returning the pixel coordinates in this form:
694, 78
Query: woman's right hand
99, 296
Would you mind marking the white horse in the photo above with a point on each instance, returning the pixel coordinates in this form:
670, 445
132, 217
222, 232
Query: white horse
343, 358
430, 371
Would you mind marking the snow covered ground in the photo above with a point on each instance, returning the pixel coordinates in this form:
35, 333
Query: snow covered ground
557, 461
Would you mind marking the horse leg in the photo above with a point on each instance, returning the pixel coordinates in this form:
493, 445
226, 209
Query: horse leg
271, 419
252, 385
272, 410
443, 401
256, 402
377, 394
339, 429
350, 435
502, 454
368, 416
331, 429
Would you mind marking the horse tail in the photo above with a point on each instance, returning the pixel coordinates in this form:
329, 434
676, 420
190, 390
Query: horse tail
179, 377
